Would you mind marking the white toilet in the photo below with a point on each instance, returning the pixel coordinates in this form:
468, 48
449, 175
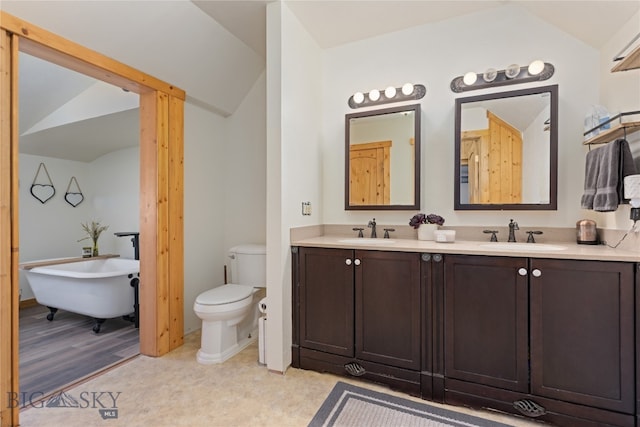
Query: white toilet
229, 312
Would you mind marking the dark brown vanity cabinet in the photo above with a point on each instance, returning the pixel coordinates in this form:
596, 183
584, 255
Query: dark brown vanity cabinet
549, 338
326, 298
486, 321
582, 332
357, 312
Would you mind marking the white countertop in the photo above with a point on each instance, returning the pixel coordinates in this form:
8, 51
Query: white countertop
571, 251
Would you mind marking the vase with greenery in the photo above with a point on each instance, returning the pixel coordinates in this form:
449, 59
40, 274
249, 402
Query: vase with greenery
93, 230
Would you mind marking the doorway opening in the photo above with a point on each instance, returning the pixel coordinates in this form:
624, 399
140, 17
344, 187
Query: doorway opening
79, 130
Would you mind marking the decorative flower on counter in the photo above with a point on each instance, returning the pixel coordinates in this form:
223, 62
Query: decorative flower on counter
421, 218
93, 231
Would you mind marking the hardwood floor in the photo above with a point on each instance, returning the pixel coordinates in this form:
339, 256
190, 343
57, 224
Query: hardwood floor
59, 353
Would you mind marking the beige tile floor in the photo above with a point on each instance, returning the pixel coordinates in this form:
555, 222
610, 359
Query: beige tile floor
174, 390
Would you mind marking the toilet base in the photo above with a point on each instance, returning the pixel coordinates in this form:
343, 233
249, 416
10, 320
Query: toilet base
212, 358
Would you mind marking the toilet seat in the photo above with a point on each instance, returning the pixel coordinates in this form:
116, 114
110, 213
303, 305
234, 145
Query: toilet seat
224, 294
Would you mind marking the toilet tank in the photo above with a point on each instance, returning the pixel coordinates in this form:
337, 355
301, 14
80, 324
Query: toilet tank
249, 265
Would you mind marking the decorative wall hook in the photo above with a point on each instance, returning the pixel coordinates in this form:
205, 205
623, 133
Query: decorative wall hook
74, 198
42, 192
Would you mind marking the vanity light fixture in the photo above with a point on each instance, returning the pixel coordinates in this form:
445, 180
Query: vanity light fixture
536, 71
407, 92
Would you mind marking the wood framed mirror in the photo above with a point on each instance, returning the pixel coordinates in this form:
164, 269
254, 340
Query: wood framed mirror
506, 150
382, 159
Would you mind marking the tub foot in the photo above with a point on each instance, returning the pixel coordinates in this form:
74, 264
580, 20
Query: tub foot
98, 324
52, 313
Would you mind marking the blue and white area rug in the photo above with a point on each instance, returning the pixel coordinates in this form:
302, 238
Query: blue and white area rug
351, 406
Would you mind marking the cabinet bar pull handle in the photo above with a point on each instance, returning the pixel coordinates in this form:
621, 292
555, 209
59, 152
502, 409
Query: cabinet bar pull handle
348, 261
522, 271
536, 272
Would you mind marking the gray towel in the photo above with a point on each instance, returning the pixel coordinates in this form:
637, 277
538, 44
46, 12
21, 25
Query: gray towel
605, 170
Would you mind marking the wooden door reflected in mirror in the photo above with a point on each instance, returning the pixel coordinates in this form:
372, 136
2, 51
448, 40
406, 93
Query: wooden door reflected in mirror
369, 174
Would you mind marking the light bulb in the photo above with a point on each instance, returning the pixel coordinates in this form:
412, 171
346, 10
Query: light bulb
512, 71
358, 97
470, 78
536, 67
390, 92
490, 75
374, 95
407, 89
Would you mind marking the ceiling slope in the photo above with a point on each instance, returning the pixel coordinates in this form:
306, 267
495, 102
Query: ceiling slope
174, 41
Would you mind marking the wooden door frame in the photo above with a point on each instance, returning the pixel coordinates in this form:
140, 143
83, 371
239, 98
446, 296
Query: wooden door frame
161, 193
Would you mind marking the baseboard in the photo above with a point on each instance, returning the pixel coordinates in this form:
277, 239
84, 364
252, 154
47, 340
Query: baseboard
31, 302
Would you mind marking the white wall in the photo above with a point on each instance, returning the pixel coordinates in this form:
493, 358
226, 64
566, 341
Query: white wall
433, 55
225, 194
115, 178
204, 206
294, 162
245, 166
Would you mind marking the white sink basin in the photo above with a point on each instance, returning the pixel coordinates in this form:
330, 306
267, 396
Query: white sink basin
523, 246
367, 241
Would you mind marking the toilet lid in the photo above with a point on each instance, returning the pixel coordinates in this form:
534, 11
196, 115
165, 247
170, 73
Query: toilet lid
224, 294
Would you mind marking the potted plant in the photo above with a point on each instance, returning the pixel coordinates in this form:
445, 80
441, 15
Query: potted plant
93, 230
426, 225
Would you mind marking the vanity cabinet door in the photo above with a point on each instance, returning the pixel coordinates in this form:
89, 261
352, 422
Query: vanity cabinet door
388, 308
326, 299
582, 332
486, 321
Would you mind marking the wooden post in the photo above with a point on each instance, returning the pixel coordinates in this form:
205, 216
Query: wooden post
9, 239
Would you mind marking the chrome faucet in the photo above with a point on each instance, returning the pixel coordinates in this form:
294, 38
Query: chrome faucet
513, 226
372, 226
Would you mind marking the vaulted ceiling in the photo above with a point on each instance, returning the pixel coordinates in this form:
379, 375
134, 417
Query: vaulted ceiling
215, 50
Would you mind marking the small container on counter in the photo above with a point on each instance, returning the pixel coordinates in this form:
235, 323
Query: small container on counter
445, 236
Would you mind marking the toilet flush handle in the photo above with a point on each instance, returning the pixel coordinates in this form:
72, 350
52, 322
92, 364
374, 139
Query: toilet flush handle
232, 256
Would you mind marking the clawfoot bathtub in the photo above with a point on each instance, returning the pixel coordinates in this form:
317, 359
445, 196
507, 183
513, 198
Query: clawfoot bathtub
99, 288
